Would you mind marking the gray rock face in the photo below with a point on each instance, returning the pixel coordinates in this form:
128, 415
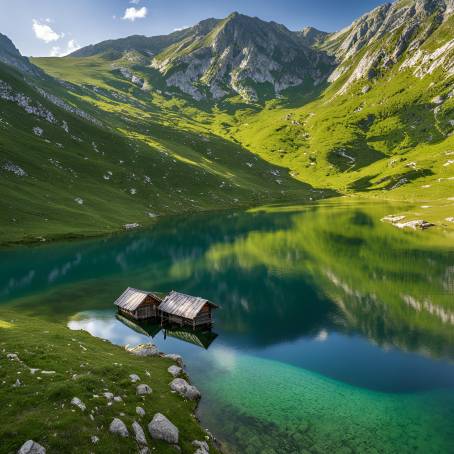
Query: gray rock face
78, 403
174, 371
139, 434
161, 428
186, 390
143, 350
143, 390
12, 57
31, 447
117, 426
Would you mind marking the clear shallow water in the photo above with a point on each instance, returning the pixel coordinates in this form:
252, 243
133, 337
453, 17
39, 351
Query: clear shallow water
336, 332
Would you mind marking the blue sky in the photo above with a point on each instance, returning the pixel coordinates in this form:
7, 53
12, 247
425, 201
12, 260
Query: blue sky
55, 27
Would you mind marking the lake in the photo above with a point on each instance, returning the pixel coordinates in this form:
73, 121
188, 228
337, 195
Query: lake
335, 333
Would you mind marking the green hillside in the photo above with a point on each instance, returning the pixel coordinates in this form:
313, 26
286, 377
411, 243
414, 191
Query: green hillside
137, 130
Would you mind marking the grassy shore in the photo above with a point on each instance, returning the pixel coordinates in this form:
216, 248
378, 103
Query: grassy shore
84, 367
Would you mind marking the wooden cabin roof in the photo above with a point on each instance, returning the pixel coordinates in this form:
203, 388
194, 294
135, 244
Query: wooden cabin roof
132, 298
182, 305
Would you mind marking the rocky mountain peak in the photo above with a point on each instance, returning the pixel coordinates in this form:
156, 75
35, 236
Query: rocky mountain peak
11, 56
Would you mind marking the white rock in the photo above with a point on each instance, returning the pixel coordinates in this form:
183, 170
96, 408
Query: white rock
31, 447
143, 389
118, 399
143, 350
134, 378
12, 357
94, 439
450, 219
393, 218
78, 403
416, 224
117, 426
139, 434
161, 428
140, 411
108, 396
17, 384
186, 390
174, 371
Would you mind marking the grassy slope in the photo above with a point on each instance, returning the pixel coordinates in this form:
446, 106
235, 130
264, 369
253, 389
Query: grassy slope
140, 166
41, 410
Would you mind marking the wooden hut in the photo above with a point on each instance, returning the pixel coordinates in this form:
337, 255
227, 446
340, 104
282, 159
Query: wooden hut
138, 304
186, 310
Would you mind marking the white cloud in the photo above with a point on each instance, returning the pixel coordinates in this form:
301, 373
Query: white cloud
136, 2
135, 13
181, 28
45, 32
71, 47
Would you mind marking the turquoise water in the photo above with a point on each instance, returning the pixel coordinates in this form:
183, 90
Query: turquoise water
336, 332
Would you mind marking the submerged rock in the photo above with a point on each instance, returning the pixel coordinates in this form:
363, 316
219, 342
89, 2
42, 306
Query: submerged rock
161, 428
143, 350
31, 447
186, 390
143, 389
174, 371
117, 426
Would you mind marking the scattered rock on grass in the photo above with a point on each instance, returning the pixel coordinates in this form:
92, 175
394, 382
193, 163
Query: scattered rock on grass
78, 403
182, 387
416, 224
117, 426
139, 434
134, 378
12, 357
108, 396
118, 399
161, 428
143, 389
17, 384
94, 439
143, 350
31, 447
174, 371
393, 218
140, 411
450, 219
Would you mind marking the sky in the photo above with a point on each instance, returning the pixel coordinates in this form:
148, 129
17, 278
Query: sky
57, 27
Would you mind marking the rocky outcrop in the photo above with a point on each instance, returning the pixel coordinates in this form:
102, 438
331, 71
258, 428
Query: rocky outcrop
161, 428
9, 55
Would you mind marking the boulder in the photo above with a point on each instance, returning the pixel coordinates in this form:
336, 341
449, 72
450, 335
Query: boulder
31, 447
78, 403
177, 358
134, 378
182, 387
117, 426
108, 396
140, 411
143, 389
143, 350
139, 434
174, 371
161, 428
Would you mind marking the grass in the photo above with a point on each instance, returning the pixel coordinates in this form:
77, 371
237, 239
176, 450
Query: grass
40, 409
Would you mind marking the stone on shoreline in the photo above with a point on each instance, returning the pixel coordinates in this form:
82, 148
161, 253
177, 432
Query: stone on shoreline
143, 350
174, 371
117, 426
143, 389
31, 447
182, 387
161, 428
177, 358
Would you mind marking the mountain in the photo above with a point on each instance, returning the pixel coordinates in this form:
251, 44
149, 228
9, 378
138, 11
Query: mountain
231, 112
11, 56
